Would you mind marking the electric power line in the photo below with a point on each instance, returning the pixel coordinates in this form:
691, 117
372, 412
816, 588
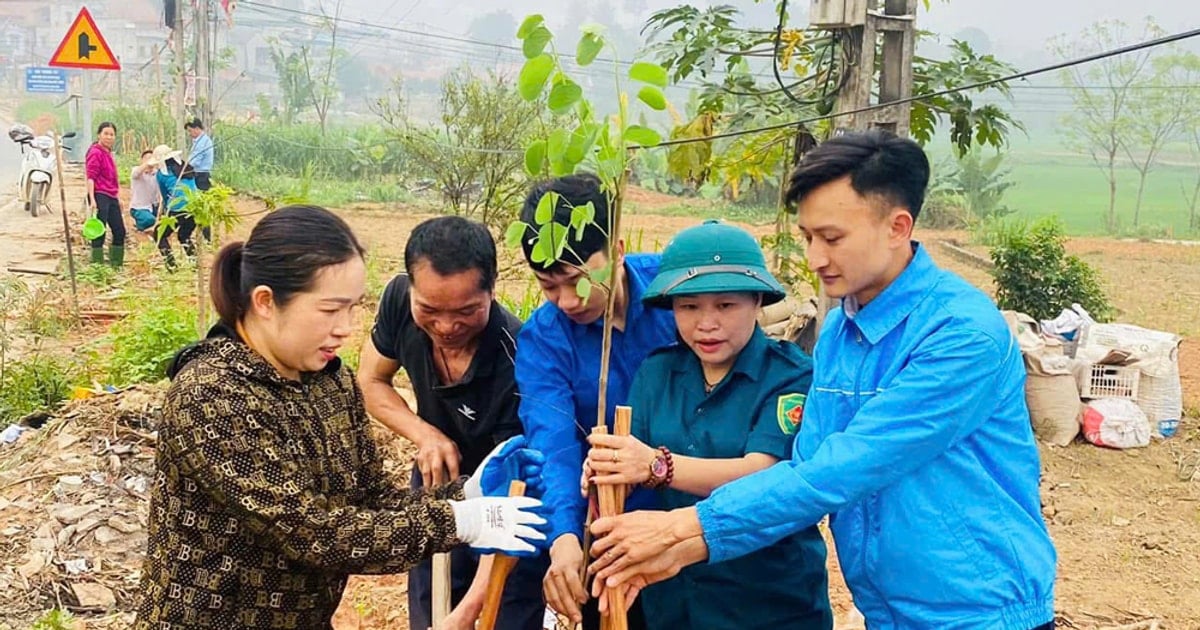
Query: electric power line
1160, 41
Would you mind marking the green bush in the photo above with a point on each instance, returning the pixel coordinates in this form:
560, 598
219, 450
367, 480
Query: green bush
39, 381
139, 348
1035, 275
141, 127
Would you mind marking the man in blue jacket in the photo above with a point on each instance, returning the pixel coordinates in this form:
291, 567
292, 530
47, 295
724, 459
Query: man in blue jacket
558, 372
915, 436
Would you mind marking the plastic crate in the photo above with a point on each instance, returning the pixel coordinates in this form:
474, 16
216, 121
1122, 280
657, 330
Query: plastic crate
1110, 381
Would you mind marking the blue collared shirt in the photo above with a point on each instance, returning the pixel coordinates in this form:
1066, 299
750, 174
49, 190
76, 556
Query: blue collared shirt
558, 378
201, 159
916, 439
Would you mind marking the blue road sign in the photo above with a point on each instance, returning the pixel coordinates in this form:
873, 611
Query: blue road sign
46, 80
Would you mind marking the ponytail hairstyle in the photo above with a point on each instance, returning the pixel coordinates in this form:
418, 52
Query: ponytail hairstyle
284, 253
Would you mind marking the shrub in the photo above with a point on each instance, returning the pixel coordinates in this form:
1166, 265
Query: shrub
138, 349
37, 381
1034, 274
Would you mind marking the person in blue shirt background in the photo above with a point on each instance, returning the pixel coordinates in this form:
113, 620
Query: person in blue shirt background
558, 371
173, 180
915, 436
201, 157
719, 406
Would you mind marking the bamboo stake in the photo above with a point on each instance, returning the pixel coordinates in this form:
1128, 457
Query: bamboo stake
441, 589
501, 567
612, 503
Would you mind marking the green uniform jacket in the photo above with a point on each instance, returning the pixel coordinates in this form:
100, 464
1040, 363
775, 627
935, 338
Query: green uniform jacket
755, 409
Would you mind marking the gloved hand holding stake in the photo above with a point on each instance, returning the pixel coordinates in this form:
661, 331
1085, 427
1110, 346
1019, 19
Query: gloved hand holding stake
509, 461
492, 522
507, 525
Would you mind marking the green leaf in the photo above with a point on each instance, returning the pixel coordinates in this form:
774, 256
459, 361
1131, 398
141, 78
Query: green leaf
545, 209
564, 95
535, 44
531, 22
582, 140
586, 114
546, 241
534, 73
643, 136
581, 217
653, 97
651, 73
513, 235
535, 158
603, 274
589, 48
539, 253
583, 289
556, 145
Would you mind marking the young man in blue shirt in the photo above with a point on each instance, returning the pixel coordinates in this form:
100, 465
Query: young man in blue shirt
915, 436
558, 372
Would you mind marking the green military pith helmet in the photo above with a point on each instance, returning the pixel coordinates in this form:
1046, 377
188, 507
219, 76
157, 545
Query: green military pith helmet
712, 257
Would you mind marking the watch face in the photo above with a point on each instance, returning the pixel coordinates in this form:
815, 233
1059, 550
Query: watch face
659, 467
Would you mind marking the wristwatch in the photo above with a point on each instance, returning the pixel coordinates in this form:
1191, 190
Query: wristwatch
662, 469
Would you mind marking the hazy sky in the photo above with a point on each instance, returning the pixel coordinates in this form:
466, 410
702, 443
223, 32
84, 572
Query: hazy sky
1019, 29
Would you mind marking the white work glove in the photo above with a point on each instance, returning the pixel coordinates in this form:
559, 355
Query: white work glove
507, 525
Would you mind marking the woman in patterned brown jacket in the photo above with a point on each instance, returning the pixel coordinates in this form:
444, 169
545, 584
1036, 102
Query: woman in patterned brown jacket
269, 490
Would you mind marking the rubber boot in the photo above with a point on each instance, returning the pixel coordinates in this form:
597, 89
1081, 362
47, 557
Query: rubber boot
116, 256
98, 255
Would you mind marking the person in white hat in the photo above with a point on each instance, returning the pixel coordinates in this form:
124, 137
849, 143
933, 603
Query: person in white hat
144, 195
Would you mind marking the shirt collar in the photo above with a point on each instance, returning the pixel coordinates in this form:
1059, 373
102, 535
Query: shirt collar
897, 300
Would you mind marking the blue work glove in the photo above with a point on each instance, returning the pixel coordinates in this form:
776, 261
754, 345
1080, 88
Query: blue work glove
509, 461
514, 526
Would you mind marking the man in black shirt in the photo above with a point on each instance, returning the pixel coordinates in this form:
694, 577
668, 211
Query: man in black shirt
441, 323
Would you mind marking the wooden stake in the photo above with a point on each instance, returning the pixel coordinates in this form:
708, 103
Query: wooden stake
62, 197
612, 503
441, 589
501, 567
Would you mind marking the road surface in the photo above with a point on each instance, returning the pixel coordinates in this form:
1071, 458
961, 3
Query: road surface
25, 242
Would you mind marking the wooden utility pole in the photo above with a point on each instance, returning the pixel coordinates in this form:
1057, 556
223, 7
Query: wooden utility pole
862, 25
177, 42
204, 68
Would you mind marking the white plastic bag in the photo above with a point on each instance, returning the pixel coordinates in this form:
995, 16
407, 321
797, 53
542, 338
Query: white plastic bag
1115, 423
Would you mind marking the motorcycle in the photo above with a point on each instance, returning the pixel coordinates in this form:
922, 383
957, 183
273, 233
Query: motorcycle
38, 163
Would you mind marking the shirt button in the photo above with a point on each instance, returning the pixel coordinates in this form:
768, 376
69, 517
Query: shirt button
699, 409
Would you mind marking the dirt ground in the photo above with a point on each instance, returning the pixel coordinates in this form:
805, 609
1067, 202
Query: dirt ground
1126, 526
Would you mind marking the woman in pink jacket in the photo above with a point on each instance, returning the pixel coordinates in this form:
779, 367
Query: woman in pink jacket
103, 191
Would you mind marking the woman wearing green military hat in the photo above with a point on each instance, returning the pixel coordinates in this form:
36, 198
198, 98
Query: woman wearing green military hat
723, 403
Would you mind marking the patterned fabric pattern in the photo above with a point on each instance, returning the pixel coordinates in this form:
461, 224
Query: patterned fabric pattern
269, 493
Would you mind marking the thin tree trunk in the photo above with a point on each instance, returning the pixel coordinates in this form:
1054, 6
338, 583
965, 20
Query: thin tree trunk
1137, 205
1112, 197
1193, 222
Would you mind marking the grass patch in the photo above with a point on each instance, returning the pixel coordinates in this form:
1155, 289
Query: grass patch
1051, 181
753, 215
321, 192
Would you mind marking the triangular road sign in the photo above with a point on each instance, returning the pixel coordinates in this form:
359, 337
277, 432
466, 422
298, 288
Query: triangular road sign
84, 47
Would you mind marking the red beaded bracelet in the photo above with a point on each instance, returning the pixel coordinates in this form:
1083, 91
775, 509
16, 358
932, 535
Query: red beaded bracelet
659, 477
